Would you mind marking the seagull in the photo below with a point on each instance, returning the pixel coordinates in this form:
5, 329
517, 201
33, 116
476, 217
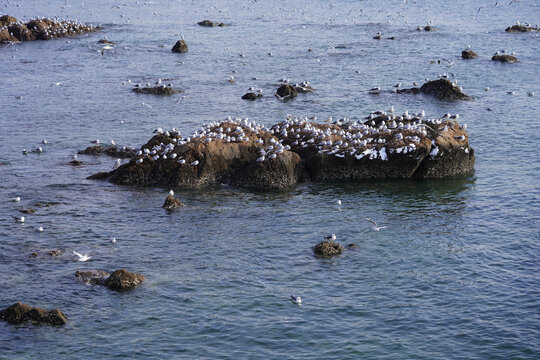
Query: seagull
171, 193
16, 199
117, 163
331, 237
374, 225
339, 202
195, 163
44, 142
84, 257
113, 240
19, 219
39, 229
296, 300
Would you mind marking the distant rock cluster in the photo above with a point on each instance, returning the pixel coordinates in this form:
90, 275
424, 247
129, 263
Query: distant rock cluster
13, 30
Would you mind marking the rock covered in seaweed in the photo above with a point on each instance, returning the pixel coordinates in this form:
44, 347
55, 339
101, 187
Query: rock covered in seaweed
328, 249
442, 89
468, 54
13, 30
19, 313
172, 203
248, 155
157, 90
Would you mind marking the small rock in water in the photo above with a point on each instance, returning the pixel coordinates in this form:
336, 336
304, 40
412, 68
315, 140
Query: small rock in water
172, 203
327, 248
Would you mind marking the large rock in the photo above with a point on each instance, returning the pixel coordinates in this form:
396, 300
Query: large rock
180, 47
19, 313
505, 58
328, 249
287, 91
442, 89
247, 155
40, 29
119, 280
122, 280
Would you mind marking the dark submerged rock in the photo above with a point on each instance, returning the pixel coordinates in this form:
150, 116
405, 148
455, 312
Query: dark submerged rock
442, 89
19, 313
505, 58
521, 28
180, 47
157, 90
468, 54
28, 211
105, 41
287, 91
172, 203
251, 96
92, 277
328, 249
209, 23
113, 151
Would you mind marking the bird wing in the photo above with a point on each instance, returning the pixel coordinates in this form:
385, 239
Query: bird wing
76, 253
383, 227
371, 221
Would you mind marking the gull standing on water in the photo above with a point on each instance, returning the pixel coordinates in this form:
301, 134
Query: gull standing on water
374, 225
296, 300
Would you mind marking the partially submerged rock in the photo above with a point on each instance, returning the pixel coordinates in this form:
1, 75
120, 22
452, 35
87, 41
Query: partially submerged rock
123, 152
47, 253
13, 30
251, 96
286, 91
119, 280
328, 249
505, 58
19, 313
442, 89
172, 203
468, 54
248, 155
522, 28
105, 41
209, 23
157, 90
180, 47
426, 28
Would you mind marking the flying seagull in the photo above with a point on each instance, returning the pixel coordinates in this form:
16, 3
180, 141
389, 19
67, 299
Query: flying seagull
374, 225
84, 257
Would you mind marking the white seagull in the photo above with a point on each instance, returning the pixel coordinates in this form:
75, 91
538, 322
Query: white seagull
171, 193
16, 199
19, 218
374, 225
84, 257
331, 237
296, 300
112, 240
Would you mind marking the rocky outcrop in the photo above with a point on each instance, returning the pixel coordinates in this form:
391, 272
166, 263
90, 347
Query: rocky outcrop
468, 54
504, 58
180, 47
328, 249
20, 313
49, 253
442, 89
13, 30
123, 152
209, 23
426, 28
157, 90
119, 280
522, 28
105, 41
172, 203
248, 155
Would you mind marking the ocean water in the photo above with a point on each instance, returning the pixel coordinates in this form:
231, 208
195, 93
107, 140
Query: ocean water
454, 276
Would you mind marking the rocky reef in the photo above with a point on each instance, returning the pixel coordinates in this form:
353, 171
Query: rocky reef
442, 89
20, 313
522, 28
468, 54
328, 249
119, 280
157, 90
13, 30
505, 58
248, 155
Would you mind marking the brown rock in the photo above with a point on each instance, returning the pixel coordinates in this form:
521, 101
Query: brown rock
286, 91
122, 280
251, 96
172, 203
19, 313
157, 90
444, 90
28, 211
7, 20
521, 28
105, 41
92, 277
327, 249
209, 23
180, 47
352, 246
468, 54
505, 58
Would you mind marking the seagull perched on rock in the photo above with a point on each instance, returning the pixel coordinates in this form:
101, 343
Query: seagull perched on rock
330, 237
296, 300
374, 225
84, 257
